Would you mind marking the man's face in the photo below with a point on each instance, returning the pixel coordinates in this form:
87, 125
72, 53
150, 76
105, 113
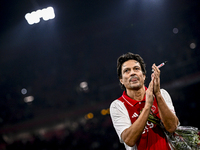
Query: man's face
132, 75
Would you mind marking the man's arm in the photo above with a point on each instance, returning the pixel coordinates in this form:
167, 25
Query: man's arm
132, 134
169, 120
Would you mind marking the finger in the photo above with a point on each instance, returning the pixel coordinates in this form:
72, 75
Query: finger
156, 69
153, 68
151, 83
152, 76
156, 75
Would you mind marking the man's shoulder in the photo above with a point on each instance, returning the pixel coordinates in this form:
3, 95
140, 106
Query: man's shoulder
116, 102
117, 105
117, 108
165, 95
163, 90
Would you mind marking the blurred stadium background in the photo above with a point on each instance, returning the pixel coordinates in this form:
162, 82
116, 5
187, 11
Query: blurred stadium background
58, 77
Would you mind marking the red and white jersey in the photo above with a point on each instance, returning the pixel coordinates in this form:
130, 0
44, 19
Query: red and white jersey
124, 111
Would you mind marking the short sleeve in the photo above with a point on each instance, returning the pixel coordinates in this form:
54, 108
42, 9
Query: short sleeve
120, 117
167, 99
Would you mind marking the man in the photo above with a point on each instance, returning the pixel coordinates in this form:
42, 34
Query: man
130, 112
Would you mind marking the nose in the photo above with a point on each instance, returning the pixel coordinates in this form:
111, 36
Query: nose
132, 72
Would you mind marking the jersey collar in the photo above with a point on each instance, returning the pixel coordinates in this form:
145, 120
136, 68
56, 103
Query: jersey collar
131, 101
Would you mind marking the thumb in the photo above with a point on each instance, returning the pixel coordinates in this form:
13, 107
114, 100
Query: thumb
151, 85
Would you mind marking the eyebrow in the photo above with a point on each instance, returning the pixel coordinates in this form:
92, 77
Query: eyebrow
137, 65
124, 67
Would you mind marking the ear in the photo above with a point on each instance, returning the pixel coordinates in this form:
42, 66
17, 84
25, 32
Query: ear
144, 77
121, 81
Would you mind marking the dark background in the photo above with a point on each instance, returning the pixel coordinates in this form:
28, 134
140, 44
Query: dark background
50, 59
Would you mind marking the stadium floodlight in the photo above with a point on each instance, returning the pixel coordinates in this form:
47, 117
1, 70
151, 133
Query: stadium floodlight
48, 13
34, 17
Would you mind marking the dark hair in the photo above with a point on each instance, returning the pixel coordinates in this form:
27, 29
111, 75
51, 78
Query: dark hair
129, 56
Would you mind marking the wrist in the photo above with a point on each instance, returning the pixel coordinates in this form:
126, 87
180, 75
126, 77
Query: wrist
148, 106
157, 94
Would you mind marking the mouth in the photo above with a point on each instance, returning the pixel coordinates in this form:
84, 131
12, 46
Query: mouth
133, 79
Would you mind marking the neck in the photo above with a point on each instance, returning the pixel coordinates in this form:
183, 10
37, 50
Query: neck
136, 94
